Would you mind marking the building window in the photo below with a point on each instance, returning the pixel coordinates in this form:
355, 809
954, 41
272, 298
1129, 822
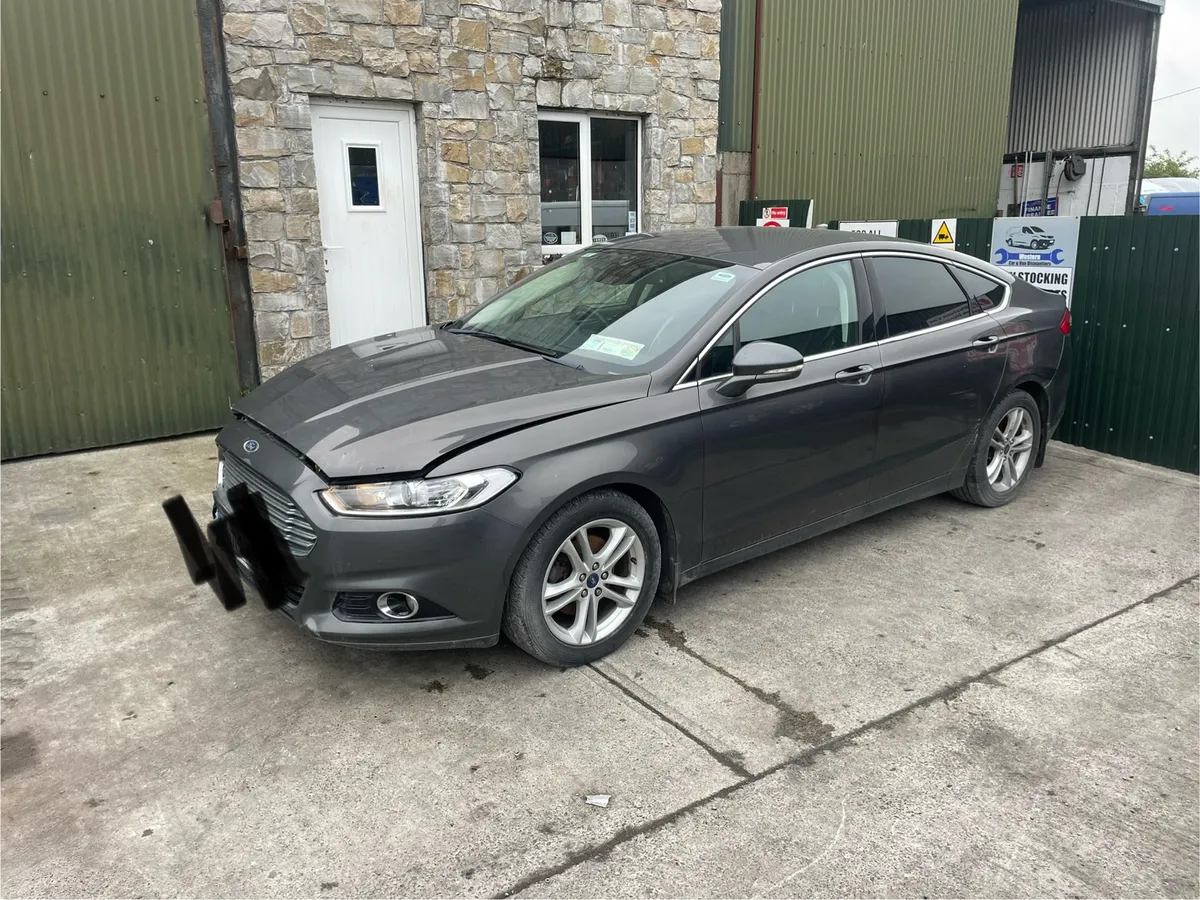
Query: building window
590, 170
362, 168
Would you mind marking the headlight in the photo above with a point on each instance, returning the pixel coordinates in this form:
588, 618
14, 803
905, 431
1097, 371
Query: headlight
419, 497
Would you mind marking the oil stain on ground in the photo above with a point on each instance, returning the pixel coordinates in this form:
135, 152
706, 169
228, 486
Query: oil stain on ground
18, 753
477, 672
795, 724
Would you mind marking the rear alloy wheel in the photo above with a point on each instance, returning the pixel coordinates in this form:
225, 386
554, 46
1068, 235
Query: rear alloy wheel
1004, 452
1010, 450
585, 581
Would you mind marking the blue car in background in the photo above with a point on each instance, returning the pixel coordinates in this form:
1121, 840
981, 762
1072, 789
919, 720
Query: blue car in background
1171, 196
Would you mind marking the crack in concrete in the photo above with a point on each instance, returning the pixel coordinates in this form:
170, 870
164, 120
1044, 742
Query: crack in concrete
809, 756
799, 725
732, 761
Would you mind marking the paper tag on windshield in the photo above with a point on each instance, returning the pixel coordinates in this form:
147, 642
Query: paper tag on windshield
598, 343
723, 277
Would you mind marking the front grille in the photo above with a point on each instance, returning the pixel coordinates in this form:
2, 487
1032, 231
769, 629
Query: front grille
280, 510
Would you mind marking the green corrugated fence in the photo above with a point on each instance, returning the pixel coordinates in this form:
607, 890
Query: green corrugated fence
1135, 391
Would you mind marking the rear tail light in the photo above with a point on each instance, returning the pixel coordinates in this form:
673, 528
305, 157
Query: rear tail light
1065, 325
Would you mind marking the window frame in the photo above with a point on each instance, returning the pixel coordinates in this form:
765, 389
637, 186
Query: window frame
347, 178
866, 317
879, 305
584, 121
872, 295
862, 303
975, 304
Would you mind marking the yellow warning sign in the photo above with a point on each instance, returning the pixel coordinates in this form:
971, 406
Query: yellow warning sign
944, 234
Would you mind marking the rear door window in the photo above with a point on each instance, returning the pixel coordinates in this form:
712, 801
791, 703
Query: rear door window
983, 293
917, 294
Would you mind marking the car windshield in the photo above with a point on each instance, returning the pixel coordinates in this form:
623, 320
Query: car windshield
610, 310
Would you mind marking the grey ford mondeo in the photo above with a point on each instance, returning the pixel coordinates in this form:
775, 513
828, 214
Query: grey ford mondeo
633, 417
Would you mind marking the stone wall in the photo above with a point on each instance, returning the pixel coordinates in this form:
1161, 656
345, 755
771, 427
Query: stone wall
476, 73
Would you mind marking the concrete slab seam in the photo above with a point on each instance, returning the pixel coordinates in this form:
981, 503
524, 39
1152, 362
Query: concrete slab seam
804, 726
728, 760
807, 757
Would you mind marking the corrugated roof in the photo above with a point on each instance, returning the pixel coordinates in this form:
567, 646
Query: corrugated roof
1080, 75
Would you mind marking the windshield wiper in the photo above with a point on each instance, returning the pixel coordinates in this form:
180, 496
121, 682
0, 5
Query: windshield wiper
508, 342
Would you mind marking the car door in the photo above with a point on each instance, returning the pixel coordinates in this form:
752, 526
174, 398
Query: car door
943, 359
789, 453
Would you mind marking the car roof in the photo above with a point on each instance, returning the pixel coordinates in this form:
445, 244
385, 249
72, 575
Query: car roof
761, 247
749, 245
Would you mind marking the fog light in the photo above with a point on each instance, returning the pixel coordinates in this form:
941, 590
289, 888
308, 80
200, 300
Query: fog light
397, 605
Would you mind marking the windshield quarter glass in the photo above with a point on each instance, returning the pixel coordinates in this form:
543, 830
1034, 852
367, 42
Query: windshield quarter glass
612, 310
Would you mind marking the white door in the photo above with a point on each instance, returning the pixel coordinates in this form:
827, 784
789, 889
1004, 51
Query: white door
365, 157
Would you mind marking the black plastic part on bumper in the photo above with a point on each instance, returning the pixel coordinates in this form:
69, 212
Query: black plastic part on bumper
461, 644
423, 556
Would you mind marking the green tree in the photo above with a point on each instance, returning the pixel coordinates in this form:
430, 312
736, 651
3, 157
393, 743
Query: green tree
1165, 164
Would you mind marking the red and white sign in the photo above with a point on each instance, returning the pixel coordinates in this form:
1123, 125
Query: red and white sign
774, 217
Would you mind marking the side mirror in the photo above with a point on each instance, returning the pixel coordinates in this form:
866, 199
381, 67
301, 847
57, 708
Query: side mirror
759, 362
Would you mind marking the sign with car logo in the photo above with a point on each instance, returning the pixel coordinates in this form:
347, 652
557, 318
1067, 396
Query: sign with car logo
1039, 249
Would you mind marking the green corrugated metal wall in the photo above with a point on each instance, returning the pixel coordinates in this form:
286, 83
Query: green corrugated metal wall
873, 106
737, 75
1135, 391
1135, 334
115, 319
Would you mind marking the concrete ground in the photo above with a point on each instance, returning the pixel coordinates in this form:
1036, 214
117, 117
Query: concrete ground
942, 700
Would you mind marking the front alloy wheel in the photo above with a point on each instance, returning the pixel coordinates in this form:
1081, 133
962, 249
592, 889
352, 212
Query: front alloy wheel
585, 581
593, 582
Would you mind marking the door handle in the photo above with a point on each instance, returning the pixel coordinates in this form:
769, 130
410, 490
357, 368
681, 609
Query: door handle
325, 248
990, 341
856, 375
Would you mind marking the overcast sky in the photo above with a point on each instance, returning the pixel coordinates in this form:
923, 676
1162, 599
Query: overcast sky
1175, 122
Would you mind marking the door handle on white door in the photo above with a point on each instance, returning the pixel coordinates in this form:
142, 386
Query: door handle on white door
325, 248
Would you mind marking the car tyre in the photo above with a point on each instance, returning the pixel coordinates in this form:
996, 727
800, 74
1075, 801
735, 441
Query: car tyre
1005, 452
544, 565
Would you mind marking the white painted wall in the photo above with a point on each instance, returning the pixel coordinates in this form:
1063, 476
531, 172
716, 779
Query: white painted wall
1106, 179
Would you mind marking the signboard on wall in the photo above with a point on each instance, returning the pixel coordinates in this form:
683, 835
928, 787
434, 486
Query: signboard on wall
885, 229
945, 233
1034, 207
1040, 250
774, 217
776, 213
